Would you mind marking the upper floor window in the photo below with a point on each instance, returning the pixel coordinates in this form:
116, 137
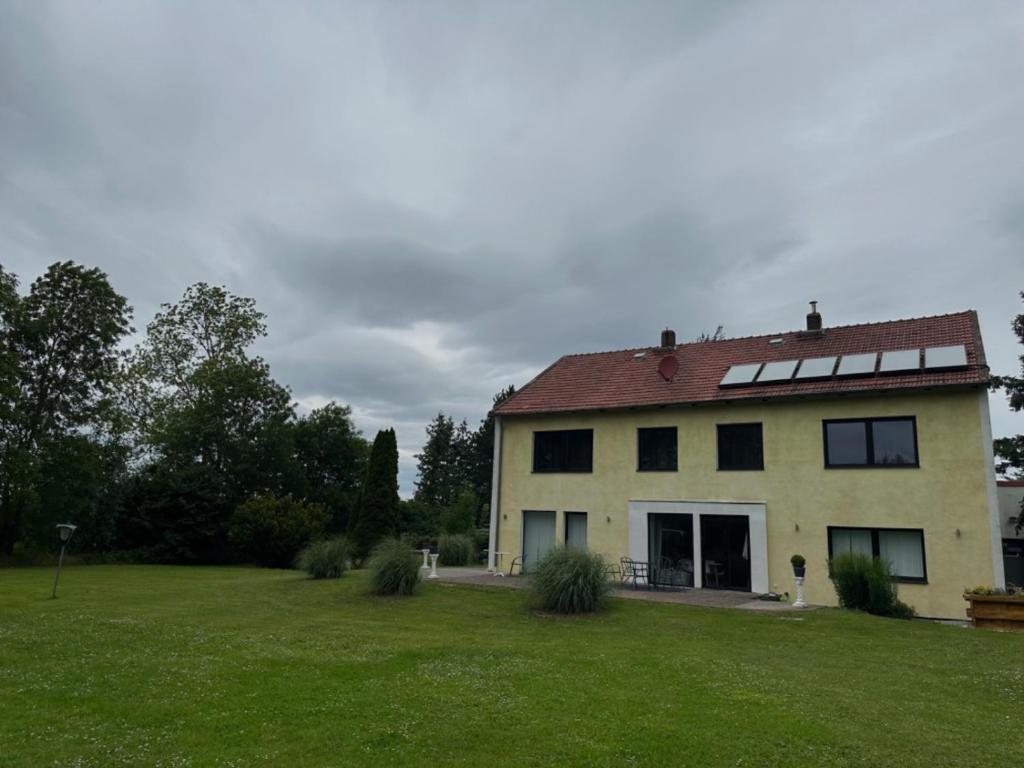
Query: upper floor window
883, 442
740, 446
656, 448
564, 450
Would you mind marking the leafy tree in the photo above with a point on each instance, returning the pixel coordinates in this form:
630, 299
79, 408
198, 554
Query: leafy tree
419, 521
1010, 450
200, 400
377, 515
332, 455
78, 479
58, 362
460, 517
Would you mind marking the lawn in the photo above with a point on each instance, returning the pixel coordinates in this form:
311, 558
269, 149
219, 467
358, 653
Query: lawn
176, 666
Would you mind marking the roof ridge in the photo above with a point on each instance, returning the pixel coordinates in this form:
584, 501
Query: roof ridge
767, 335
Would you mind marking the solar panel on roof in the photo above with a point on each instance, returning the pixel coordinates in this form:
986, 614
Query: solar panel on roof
781, 370
901, 360
816, 368
945, 357
738, 375
857, 365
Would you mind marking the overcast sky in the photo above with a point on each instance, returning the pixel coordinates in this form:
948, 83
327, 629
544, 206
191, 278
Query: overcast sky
433, 200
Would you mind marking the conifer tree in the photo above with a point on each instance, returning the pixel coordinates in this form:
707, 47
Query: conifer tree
377, 514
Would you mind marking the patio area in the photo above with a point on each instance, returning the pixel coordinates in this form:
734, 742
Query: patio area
708, 598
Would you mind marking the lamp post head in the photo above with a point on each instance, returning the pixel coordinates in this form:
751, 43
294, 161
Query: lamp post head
66, 530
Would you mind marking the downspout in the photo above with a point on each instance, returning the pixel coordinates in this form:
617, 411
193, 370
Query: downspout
495, 490
995, 528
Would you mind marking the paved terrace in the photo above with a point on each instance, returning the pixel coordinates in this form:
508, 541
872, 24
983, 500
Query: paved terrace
709, 598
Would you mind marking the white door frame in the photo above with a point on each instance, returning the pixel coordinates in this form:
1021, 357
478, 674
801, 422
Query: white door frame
753, 511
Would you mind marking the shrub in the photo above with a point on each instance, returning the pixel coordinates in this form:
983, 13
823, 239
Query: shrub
455, 549
867, 584
569, 580
325, 559
798, 561
272, 530
394, 568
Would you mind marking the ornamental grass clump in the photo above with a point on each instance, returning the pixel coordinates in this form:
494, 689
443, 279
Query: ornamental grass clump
325, 559
394, 568
867, 584
568, 580
455, 549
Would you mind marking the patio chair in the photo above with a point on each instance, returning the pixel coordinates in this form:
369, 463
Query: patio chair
625, 568
685, 568
516, 562
666, 573
638, 570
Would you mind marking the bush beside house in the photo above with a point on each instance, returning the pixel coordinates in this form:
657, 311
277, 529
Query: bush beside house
569, 580
867, 584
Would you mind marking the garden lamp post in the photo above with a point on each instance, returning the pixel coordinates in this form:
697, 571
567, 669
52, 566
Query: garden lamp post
66, 531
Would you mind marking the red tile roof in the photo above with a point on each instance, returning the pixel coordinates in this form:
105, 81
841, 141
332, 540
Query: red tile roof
1010, 483
606, 380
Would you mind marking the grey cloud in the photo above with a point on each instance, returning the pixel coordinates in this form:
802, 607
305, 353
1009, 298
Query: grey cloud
433, 200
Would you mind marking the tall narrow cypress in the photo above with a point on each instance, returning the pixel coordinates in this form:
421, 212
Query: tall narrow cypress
377, 514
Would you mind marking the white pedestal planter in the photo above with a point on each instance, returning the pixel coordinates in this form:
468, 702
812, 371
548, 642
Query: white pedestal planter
426, 554
799, 592
433, 567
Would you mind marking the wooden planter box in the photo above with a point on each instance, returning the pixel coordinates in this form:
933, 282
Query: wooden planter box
1001, 612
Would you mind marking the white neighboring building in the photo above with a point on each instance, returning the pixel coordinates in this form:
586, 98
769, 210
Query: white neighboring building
1011, 493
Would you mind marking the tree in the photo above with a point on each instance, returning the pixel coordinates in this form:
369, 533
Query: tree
378, 514
436, 464
1010, 450
332, 455
460, 516
718, 335
58, 362
483, 455
201, 401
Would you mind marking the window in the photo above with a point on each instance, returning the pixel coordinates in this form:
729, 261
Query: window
902, 548
740, 446
576, 530
565, 450
657, 449
888, 442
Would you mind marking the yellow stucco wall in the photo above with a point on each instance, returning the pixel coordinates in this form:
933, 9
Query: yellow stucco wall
947, 493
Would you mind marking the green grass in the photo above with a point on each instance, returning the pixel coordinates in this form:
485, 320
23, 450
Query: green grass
148, 665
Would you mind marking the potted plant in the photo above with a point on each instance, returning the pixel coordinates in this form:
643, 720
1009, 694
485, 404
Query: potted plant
799, 565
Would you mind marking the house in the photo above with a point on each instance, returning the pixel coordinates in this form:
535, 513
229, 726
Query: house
716, 461
1011, 499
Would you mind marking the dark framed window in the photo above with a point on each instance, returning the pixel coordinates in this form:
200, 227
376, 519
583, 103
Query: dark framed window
564, 450
740, 446
889, 442
902, 547
657, 449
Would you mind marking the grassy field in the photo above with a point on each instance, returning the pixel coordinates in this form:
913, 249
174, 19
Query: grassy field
145, 665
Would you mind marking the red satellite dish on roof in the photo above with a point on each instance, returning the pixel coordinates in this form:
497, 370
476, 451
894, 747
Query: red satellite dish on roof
668, 367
